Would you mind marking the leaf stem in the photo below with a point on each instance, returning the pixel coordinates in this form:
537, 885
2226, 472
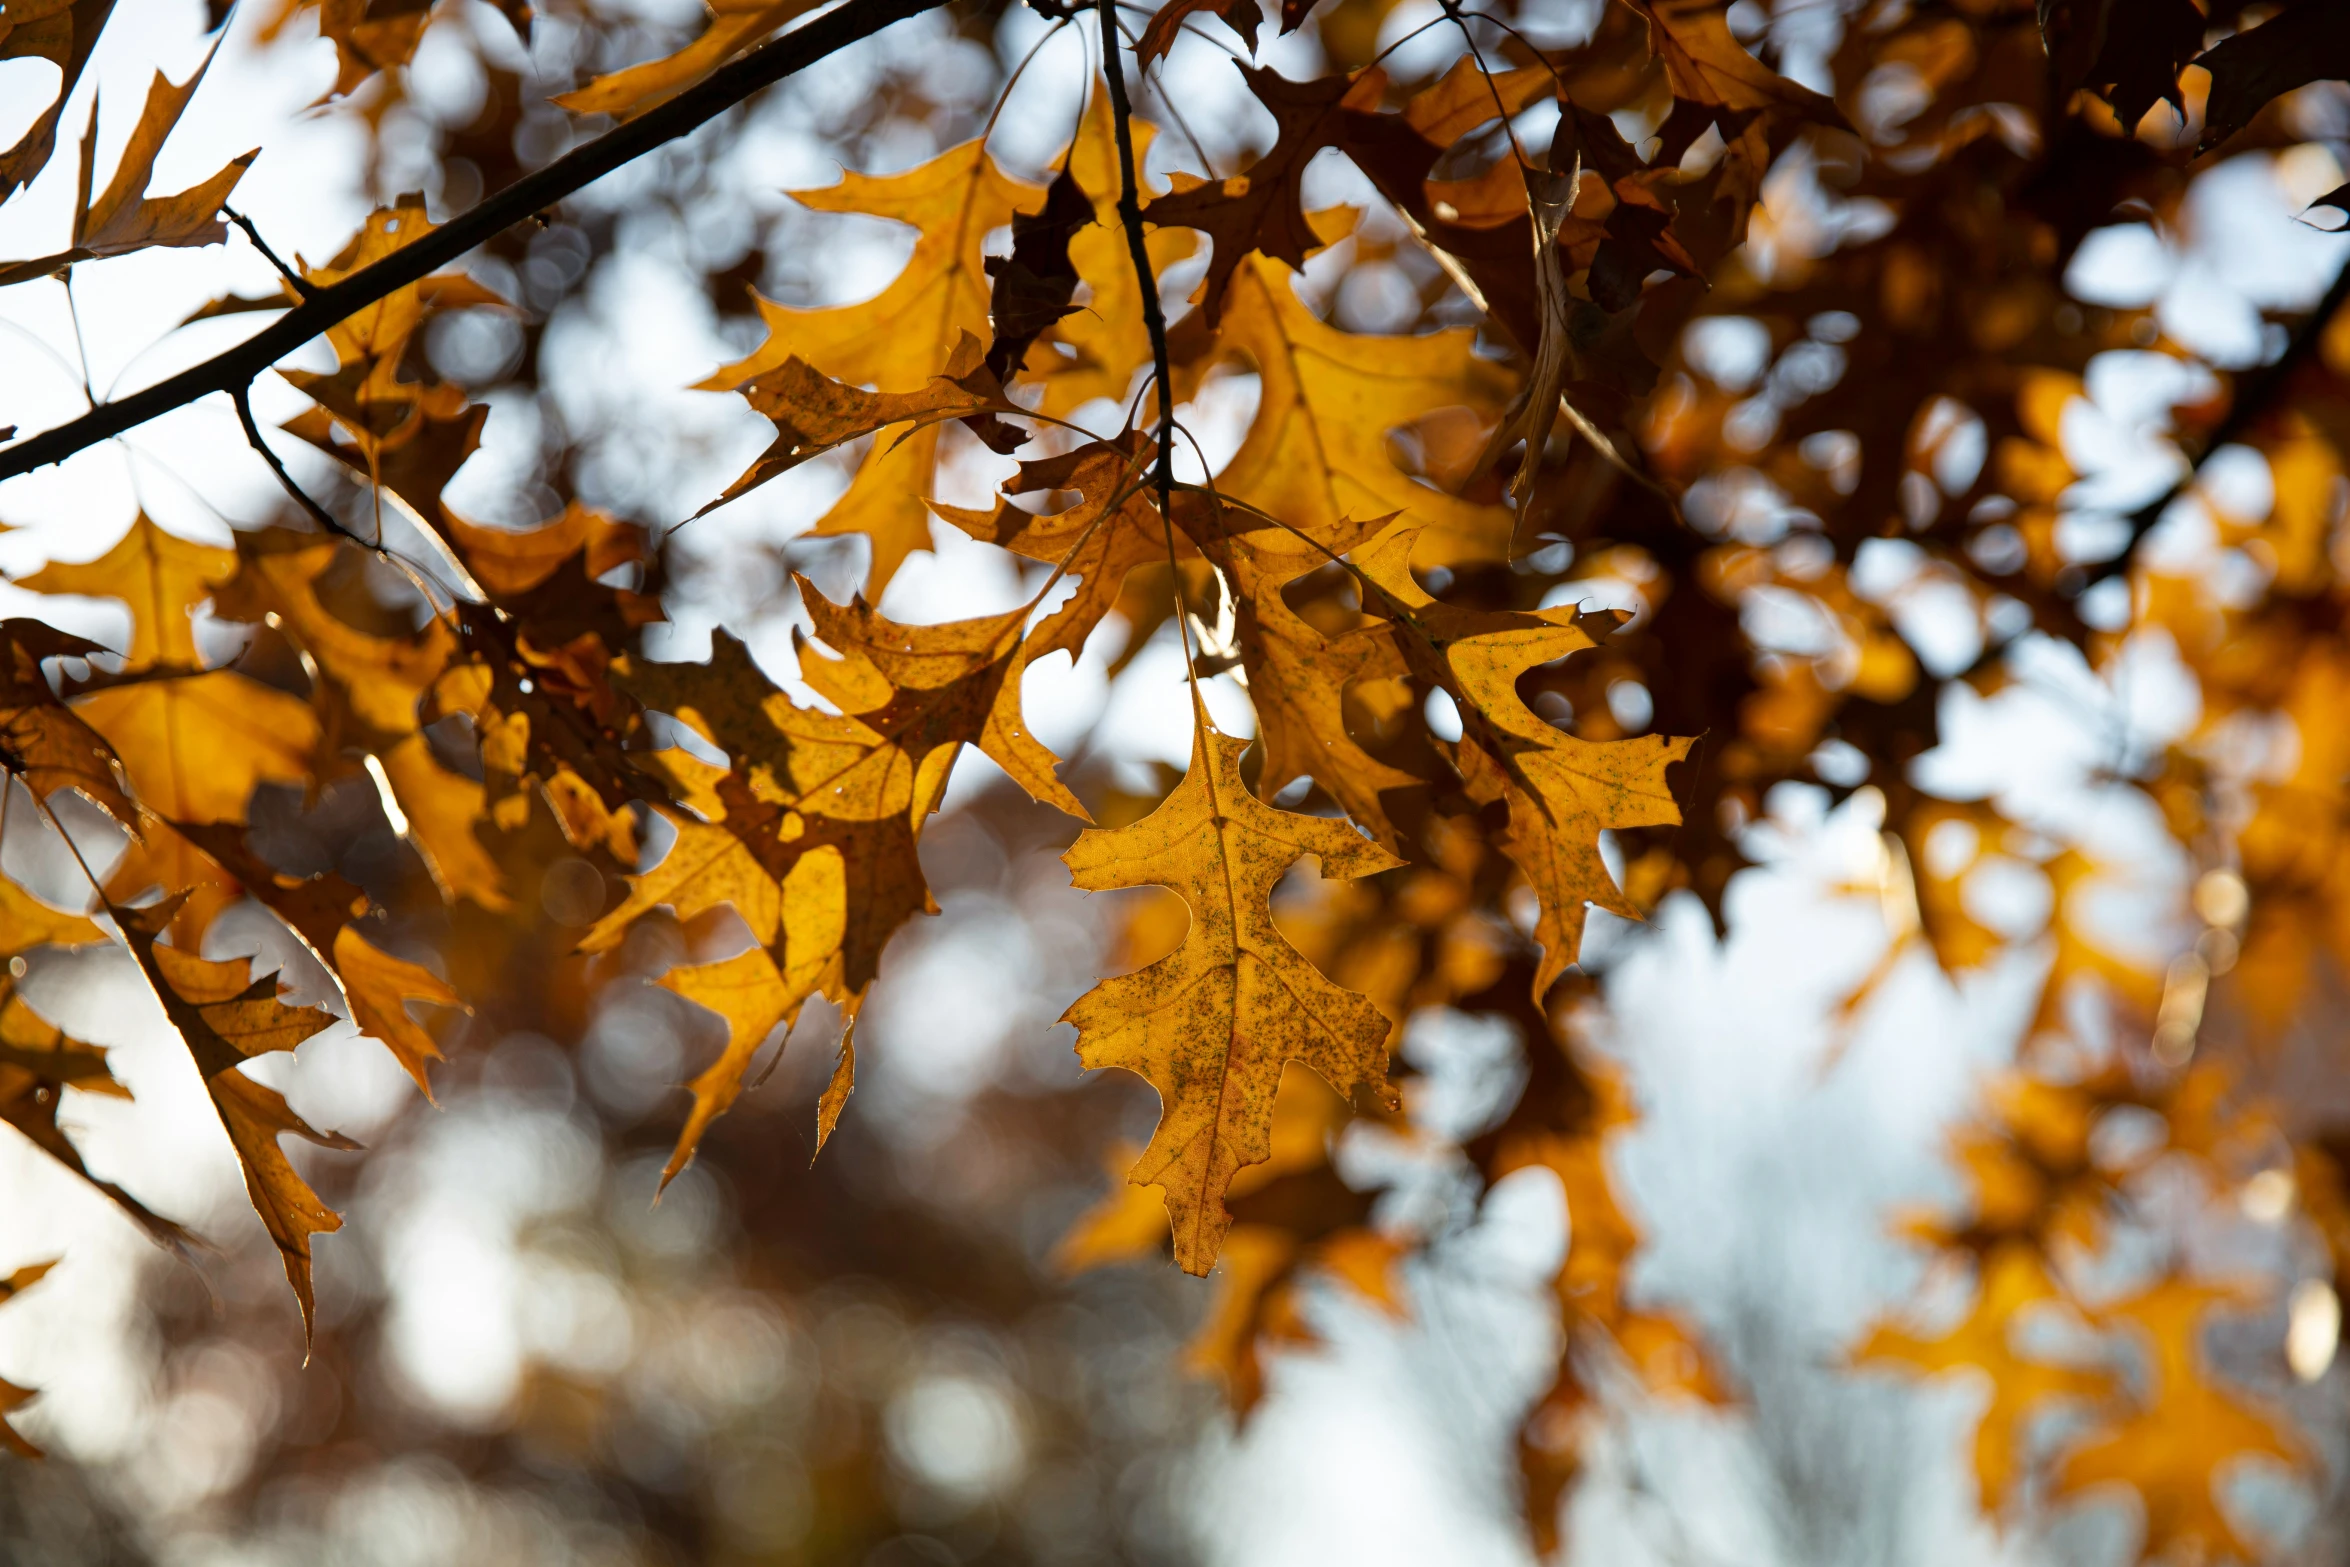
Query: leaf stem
294, 280
1154, 320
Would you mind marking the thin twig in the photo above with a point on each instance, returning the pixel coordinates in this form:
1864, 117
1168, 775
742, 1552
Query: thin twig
80, 347
532, 194
318, 514
1154, 319
294, 280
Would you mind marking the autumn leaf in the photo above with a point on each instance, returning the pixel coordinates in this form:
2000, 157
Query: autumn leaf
2171, 1449
814, 413
380, 986
2010, 1281
748, 992
225, 1016
1035, 284
1318, 451
196, 747
733, 27
899, 338
160, 577
1113, 528
2304, 43
124, 217
1105, 339
42, 741
816, 847
1297, 677
1562, 791
932, 686
63, 32
1158, 35
39, 1061
1263, 209
1211, 1025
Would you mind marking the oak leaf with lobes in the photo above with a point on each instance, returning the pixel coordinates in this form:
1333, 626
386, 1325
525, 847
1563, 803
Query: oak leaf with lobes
1562, 791
1211, 1025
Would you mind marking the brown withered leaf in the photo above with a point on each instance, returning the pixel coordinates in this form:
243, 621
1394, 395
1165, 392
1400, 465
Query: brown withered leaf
2306, 42
1562, 791
902, 336
1098, 544
224, 1016
124, 217
814, 413
1263, 209
42, 741
62, 32
1158, 36
1211, 1025
1035, 284
39, 1061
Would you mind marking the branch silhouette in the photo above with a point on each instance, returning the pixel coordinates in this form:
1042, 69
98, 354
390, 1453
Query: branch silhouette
237, 367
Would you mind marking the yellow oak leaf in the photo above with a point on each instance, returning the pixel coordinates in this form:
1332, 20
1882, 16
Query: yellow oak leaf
1105, 337
901, 336
733, 27
380, 673
939, 685
1211, 1025
2173, 1447
1318, 450
442, 808
160, 576
509, 562
2009, 1281
1562, 791
1297, 678
835, 1097
197, 746
379, 987
224, 1015
750, 994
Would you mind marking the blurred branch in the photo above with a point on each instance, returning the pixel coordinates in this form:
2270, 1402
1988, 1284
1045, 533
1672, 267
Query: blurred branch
532, 194
2254, 395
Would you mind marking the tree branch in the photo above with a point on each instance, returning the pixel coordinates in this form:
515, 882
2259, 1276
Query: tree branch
533, 193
